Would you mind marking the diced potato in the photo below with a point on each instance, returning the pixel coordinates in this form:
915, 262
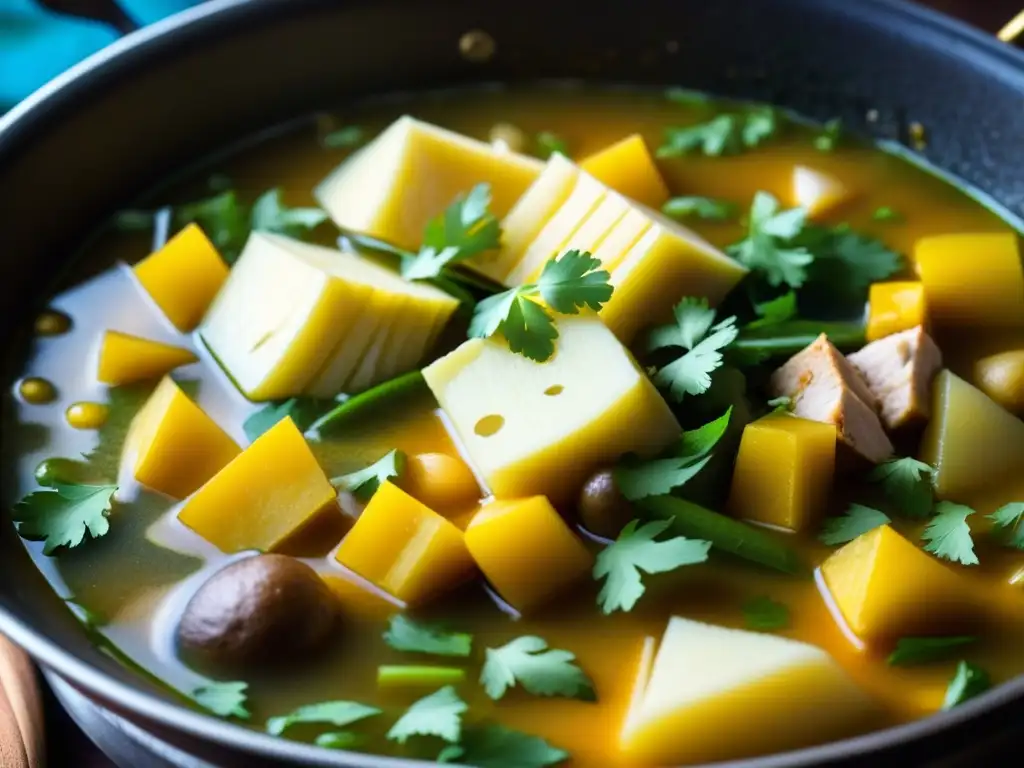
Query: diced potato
667, 262
639, 687
528, 217
971, 441
895, 307
405, 548
556, 236
173, 446
526, 551
183, 277
887, 588
290, 310
1001, 377
268, 493
817, 192
126, 359
972, 279
784, 469
622, 237
628, 167
442, 482
413, 171
542, 428
717, 694
358, 597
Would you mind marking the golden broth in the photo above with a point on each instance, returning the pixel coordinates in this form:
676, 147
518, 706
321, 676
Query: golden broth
139, 576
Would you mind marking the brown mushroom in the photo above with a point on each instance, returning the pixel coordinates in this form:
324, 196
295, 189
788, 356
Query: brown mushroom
602, 507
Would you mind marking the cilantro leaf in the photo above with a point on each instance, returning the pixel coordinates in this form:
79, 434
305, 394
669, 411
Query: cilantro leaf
573, 281
404, 634
63, 515
845, 263
693, 320
857, 521
549, 143
567, 284
700, 207
336, 713
691, 373
302, 410
759, 124
635, 550
921, 650
223, 699
830, 135
778, 310
969, 681
269, 214
766, 247
907, 482
364, 483
725, 134
343, 138
1007, 521
542, 672
949, 536
495, 746
465, 229
781, 404
338, 740
686, 96
639, 479
885, 213
439, 714
222, 217
764, 614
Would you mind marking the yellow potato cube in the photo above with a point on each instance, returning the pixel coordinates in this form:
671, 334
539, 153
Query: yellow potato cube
895, 307
972, 442
886, 588
524, 222
183, 277
268, 493
783, 473
972, 279
358, 597
628, 167
541, 428
668, 261
411, 173
406, 548
526, 551
126, 359
173, 446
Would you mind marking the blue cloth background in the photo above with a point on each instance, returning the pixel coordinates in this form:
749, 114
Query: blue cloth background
37, 44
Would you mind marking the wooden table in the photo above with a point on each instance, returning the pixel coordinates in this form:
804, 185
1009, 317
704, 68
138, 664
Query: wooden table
68, 747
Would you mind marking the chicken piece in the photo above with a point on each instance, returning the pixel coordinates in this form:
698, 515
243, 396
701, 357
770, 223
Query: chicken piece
825, 387
899, 370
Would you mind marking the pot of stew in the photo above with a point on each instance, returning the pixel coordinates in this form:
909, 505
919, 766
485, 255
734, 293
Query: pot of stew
518, 385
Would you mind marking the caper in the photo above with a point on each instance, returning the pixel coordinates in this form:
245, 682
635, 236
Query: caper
602, 507
58, 469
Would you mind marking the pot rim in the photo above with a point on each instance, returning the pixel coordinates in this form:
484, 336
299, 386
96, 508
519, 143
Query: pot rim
135, 48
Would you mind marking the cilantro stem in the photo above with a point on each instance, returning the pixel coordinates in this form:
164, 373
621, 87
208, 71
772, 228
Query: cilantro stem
789, 337
372, 400
412, 675
724, 533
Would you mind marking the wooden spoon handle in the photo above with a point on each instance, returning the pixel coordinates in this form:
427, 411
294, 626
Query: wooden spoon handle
21, 711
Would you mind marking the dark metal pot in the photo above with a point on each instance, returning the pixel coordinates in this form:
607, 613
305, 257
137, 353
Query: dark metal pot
102, 133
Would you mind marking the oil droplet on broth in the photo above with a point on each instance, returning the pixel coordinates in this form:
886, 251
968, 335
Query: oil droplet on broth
37, 391
52, 323
87, 415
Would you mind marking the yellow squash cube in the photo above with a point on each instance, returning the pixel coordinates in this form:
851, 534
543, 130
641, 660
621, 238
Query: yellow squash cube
628, 167
887, 588
669, 261
183, 277
783, 473
972, 442
405, 548
126, 359
972, 279
358, 597
541, 428
173, 446
817, 192
526, 550
411, 173
894, 307
269, 492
